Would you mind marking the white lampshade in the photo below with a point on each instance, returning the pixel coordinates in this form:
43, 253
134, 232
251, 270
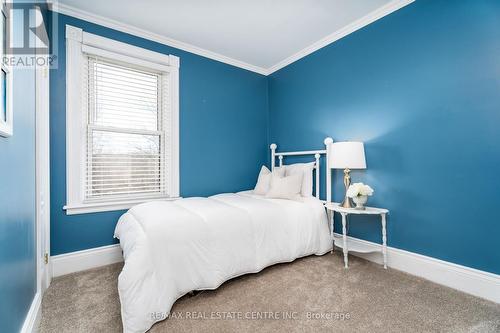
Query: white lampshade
347, 155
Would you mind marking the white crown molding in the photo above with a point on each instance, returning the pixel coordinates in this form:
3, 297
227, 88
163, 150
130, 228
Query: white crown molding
32, 320
348, 29
126, 28
132, 30
468, 280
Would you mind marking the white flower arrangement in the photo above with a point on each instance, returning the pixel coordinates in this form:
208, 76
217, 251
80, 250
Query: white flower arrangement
359, 189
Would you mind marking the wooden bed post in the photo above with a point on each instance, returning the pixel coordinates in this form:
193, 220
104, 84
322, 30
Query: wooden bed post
328, 143
273, 147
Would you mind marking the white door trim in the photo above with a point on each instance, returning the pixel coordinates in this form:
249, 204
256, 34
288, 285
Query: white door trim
42, 191
42, 174
42, 162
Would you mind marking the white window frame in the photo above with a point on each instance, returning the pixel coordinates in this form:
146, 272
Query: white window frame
79, 44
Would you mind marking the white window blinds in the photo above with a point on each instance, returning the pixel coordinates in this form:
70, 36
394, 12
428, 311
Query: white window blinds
122, 124
126, 108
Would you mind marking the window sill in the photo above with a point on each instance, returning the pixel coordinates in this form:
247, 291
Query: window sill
108, 206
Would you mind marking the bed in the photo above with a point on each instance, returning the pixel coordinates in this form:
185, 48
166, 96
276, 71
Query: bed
174, 247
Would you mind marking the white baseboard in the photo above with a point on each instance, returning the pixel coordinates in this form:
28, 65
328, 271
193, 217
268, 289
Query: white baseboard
82, 260
469, 280
32, 321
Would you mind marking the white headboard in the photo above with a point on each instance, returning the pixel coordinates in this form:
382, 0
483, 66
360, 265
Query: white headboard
317, 155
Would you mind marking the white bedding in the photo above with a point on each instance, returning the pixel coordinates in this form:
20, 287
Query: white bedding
174, 247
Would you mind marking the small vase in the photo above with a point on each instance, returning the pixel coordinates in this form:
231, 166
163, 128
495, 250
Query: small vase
360, 201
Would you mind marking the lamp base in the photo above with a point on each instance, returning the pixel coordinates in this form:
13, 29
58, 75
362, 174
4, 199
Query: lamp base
347, 203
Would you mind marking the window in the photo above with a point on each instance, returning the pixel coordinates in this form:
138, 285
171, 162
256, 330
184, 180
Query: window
122, 124
124, 154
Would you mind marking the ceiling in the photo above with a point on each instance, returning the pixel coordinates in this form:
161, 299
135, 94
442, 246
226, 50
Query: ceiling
259, 35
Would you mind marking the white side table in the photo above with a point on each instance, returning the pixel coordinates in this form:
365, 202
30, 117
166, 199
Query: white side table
356, 247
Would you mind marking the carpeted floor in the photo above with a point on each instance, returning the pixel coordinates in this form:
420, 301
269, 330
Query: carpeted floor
313, 294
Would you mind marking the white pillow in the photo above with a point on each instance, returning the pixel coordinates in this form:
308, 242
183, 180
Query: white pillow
263, 182
264, 179
279, 171
286, 187
306, 169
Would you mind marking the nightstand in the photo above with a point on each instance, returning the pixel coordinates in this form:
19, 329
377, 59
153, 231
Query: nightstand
347, 245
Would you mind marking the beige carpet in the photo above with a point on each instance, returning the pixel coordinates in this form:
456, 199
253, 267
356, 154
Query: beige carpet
313, 294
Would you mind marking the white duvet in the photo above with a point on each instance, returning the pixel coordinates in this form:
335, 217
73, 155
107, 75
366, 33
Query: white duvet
174, 247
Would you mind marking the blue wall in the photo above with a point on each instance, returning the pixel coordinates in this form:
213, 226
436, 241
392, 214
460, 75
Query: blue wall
17, 203
421, 88
223, 135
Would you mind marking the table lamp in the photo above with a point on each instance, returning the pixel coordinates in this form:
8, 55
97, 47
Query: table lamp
347, 155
